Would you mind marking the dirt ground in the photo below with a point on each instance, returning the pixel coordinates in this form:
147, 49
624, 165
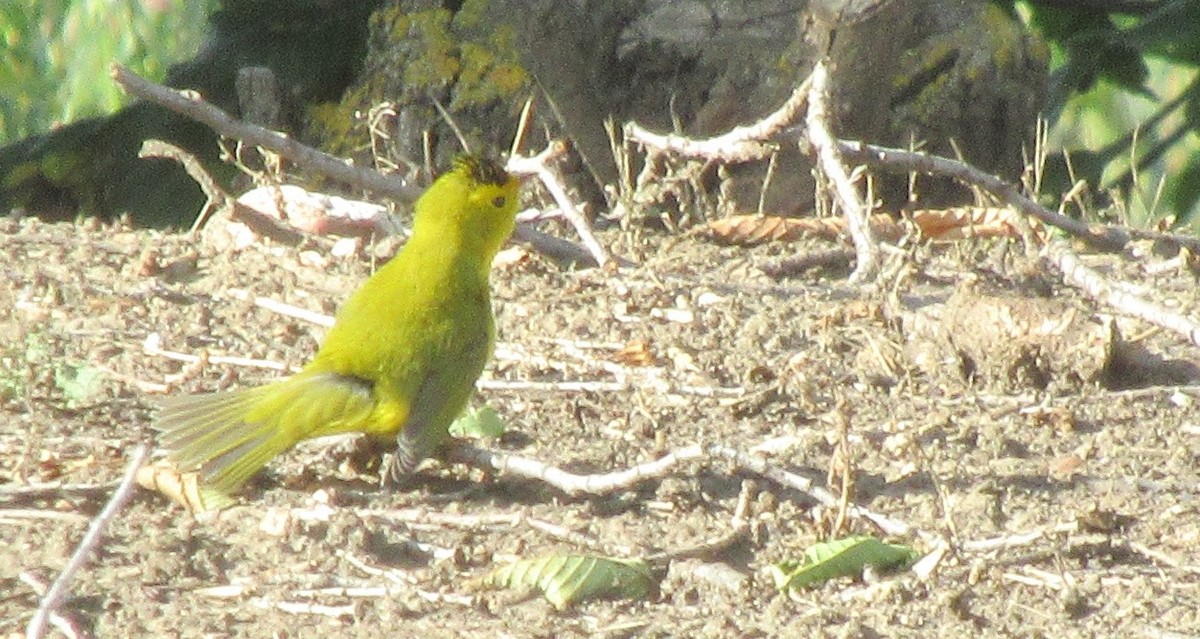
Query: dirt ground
1071, 506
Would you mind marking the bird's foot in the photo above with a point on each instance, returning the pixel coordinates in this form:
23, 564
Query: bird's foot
362, 456
399, 466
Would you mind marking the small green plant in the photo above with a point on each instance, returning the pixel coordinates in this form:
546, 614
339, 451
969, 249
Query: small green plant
484, 423
78, 383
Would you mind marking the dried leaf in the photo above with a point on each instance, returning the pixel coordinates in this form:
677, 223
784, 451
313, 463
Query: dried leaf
748, 230
636, 353
183, 488
967, 222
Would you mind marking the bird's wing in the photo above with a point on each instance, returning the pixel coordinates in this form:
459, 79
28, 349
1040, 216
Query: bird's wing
442, 394
314, 404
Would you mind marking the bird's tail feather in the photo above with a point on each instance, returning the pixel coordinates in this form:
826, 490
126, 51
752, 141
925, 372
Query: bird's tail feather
208, 434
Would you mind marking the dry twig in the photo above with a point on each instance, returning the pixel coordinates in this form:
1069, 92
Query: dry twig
193, 106
152, 347
599, 484
1093, 283
54, 597
571, 483
283, 308
539, 165
830, 157
741, 144
900, 161
350, 610
552, 246
216, 198
66, 625
737, 532
1109, 238
8, 515
53, 489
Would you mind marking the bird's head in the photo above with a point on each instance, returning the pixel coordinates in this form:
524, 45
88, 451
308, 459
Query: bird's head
474, 202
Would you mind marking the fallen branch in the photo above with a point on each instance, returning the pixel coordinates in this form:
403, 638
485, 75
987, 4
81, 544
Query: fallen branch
283, 308
539, 165
215, 197
53, 489
66, 625
604, 483
1108, 238
152, 347
740, 144
552, 246
571, 483
8, 515
1098, 288
350, 610
192, 106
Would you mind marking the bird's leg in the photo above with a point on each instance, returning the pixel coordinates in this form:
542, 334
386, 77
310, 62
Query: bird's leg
403, 461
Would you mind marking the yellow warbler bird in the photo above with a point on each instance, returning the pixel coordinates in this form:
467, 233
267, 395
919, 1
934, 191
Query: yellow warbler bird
400, 361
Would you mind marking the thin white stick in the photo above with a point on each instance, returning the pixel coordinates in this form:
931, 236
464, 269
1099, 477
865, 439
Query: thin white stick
58, 591
13, 514
539, 165
553, 184
740, 144
599, 484
1093, 283
65, 625
865, 249
571, 483
283, 308
151, 348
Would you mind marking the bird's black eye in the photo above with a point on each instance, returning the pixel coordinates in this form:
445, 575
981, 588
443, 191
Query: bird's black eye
499, 201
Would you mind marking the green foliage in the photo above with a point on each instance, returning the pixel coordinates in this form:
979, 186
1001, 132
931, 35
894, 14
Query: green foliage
840, 558
26, 362
78, 383
566, 579
20, 359
479, 424
15, 359
56, 55
1124, 103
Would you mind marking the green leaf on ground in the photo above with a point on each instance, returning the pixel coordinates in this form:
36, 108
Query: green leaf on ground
484, 423
566, 579
840, 558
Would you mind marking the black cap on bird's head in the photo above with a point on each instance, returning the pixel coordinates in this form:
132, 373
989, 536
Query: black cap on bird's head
482, 170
